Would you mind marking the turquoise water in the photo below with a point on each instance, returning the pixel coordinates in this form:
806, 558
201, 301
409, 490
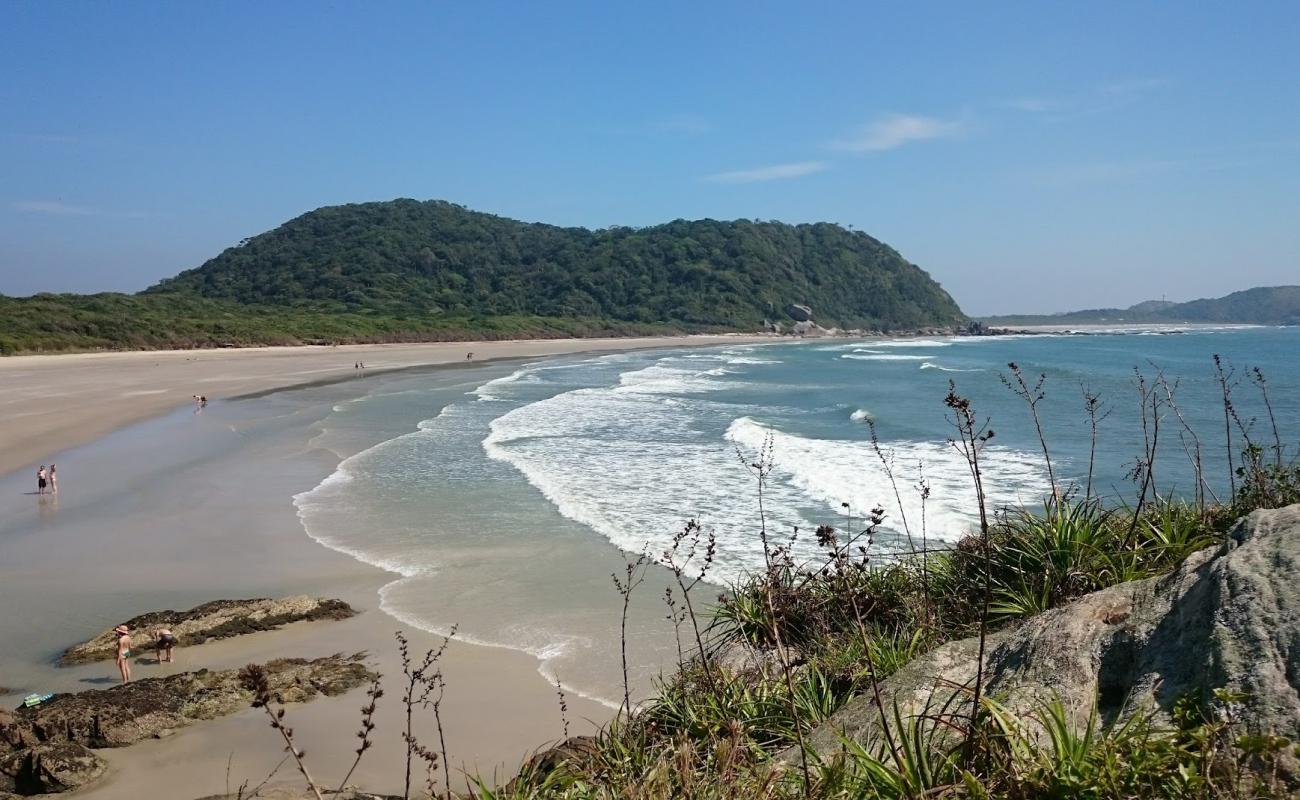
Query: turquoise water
505, 508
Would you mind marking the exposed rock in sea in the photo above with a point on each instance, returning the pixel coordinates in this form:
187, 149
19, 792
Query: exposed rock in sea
44, 749
48, 768
219, 619
150, 707
1228, 617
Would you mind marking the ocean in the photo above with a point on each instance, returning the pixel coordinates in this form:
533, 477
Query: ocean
504, 508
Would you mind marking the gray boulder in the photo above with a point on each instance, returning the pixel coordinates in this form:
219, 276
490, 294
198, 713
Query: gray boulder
799, 313
1228, 617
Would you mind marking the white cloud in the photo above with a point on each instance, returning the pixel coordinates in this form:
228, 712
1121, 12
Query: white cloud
895, 130
774, 172
50, 207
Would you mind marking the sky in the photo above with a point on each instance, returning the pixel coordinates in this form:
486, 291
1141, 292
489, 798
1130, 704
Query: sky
1032, 157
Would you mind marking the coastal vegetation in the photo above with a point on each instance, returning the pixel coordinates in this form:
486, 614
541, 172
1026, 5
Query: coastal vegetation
893, 666
406, 270
759, 705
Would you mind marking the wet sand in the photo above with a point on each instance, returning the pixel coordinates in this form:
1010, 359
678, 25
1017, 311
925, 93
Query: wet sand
51, 403
184, 508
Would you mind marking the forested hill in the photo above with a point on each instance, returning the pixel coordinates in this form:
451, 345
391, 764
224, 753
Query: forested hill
1264, 305
419, 259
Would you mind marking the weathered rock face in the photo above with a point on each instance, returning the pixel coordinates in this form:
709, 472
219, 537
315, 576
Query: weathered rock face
151, 707
1228, 617
49, 768
219, 619
799, 313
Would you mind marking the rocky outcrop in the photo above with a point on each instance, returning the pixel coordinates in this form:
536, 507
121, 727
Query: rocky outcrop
219, 619
153, 707
49, 768
1228, 617
573, 757
799, 313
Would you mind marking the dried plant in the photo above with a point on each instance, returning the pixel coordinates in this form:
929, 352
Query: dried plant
633, 575
1033, 395
367, 727
254, 679
423, 680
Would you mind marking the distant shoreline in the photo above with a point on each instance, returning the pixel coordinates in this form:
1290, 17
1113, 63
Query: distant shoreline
53, 403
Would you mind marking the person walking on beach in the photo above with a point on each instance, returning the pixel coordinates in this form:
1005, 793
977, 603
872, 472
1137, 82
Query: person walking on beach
123, 652
54, 481
40, 480
164, 641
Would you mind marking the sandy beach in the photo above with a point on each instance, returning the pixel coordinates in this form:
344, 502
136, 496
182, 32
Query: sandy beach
51, 403
163, 508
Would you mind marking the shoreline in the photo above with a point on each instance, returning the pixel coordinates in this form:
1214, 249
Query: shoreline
54, 403
502, 705
500, 708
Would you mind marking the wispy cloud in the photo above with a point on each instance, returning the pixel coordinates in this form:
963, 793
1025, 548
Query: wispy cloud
50, 207
774, 172
895, 130
1099, 99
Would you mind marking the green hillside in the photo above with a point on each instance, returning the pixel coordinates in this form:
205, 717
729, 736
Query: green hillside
431, 258
1265, 305
408, 270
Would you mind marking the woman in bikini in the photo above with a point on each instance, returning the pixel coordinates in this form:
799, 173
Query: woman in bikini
123, 652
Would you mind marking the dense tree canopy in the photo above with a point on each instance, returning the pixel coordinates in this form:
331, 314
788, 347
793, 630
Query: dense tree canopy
415, 259
418, 271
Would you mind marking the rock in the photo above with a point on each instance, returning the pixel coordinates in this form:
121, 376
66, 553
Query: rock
147, 708
574, 756
219, 619
1228, 617
809, 329
48, 768
799, 313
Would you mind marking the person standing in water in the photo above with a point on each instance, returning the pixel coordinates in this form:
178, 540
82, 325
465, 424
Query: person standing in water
54, 481
123, 652
40, 480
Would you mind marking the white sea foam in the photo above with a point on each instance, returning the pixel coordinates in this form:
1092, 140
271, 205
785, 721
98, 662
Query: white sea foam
838, 471
940, 367
883, 357
912, 343
860, 415
751, 360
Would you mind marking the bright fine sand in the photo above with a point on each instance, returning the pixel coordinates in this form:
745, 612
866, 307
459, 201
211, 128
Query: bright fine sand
48, 403
161, 507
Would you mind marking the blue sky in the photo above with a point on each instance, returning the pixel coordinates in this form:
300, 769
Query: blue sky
1030, 156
